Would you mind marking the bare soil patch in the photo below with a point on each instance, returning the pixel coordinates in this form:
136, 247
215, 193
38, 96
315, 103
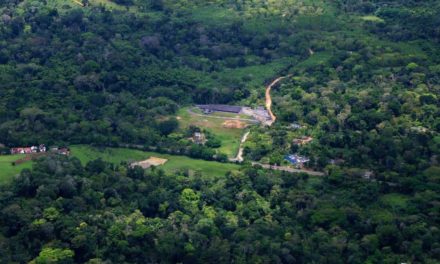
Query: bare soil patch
152, 161
234, 124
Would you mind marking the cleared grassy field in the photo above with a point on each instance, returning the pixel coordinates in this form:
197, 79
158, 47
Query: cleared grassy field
214, 16
117, 155
230, 137
319, 58
7, 170
256, 75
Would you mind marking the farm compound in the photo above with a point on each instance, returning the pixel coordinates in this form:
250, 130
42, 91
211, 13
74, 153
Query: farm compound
259, 113
207, 109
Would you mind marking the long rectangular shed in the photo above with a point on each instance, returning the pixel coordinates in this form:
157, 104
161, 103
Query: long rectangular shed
221, 108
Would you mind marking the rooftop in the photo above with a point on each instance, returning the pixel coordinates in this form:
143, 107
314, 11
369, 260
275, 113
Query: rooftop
221, 108
296, 159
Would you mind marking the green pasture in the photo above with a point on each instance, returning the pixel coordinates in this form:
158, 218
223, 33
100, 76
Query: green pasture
7, 170
256, 75
319, 58
117, 155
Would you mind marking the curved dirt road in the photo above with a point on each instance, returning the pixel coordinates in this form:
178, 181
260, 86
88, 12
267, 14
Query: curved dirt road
269, 98
239, 157
288, 169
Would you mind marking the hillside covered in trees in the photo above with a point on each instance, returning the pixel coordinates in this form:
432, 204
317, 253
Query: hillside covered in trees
62, 212
362, 81
110, 72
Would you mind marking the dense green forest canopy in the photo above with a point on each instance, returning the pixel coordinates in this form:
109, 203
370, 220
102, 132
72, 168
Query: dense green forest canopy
62, 212
364, 82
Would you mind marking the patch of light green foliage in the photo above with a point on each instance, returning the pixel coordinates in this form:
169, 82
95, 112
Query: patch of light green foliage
7, 170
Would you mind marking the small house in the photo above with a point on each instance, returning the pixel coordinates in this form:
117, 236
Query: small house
64, 151
60, 150
42, 148
28, 150
295, 126
199, 138
297, 160
21, 150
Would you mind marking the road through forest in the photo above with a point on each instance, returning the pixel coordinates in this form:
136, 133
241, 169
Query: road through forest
269, 97
239, 156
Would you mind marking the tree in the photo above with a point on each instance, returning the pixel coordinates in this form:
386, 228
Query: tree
168, 126
54, 255
189, 200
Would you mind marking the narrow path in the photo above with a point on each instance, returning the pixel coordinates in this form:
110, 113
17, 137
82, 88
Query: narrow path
269, 98
288, 169
78, 3
239, 157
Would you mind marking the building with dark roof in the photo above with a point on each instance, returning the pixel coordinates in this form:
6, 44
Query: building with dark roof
220, 108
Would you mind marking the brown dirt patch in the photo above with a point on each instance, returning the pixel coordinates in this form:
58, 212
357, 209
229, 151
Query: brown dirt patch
156, 161
152, 161
234, 124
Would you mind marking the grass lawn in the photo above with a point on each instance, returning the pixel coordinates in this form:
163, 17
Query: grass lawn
214, 16
256, 75
318, 58
117, 155
230, 137
7, 171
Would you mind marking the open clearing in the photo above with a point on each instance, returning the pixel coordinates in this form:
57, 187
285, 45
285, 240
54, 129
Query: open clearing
7, 170
234, 124
152, 161
117, 155
230, 137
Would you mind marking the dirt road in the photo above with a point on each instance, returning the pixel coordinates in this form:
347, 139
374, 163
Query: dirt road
239, 157
288, 169
269, 98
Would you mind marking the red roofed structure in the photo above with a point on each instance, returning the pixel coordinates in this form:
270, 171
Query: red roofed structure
26, 150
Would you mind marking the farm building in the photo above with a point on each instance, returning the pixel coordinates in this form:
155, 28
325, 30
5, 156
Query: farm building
21, 150
60, 150
207, 109
295, 126
296, 159
259, 113
28, 150
199, 138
